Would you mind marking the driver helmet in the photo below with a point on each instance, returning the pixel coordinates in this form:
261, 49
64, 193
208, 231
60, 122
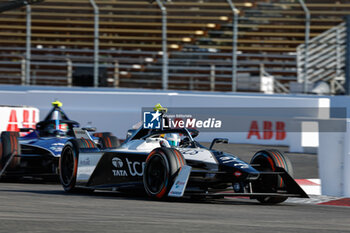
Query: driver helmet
63, 127
172, 138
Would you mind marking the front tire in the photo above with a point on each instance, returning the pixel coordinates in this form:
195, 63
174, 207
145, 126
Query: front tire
162, 167
10, 145
268, 160
68, 166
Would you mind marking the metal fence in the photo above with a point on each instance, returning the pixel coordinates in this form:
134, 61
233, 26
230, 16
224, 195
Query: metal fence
324, 59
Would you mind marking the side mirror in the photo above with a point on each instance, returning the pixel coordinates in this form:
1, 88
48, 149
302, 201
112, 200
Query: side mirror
130, 132
218, 140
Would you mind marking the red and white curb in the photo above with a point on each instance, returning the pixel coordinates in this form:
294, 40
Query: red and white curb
310, 186
313, 188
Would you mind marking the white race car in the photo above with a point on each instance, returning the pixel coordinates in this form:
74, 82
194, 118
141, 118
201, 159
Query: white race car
170, 163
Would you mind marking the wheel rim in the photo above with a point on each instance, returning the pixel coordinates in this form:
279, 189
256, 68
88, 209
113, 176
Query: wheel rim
156, 174
67, 165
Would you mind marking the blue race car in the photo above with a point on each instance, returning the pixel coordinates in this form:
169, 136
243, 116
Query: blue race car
37, 153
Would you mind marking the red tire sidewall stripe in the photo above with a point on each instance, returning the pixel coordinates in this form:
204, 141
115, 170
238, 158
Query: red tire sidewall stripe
164, 189
86, 143
109, 142
11, 144
13, 138
283, 161
178, 158
179, 155
150, 155
162, 192
282, 165
15, 143
75, 169
271, 162
92, 144
285, 166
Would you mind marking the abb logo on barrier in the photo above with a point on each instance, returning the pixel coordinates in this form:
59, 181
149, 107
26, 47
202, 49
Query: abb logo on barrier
270, 130
13, 122
21, 118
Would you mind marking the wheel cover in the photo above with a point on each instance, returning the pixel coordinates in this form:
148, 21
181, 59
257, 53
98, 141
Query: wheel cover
268, 180
67, 165
156, 174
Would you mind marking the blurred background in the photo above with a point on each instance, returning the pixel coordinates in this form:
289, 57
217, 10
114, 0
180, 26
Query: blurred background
268, 46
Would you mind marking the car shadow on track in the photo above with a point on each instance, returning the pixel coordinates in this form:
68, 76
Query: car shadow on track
30, 180
139, 196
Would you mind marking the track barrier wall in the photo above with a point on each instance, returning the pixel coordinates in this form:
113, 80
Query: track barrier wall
116, 110
334, 155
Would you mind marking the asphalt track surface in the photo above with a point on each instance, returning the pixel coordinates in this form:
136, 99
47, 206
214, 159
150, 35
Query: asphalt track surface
38, 207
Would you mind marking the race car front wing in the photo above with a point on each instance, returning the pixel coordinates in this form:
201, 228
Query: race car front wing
291, 188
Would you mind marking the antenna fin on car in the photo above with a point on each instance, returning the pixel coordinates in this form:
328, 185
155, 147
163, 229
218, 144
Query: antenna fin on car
57, 104
160, 108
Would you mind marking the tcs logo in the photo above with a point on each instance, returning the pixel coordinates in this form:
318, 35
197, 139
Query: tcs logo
268, 131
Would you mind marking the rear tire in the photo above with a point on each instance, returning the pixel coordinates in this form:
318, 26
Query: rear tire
10, 145
68, 165
268, 161
109, 142
101, 134
162, 167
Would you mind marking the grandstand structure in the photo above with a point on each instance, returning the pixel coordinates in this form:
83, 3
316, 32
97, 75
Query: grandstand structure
199, 42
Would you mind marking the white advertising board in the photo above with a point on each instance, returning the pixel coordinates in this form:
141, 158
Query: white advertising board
12, 118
